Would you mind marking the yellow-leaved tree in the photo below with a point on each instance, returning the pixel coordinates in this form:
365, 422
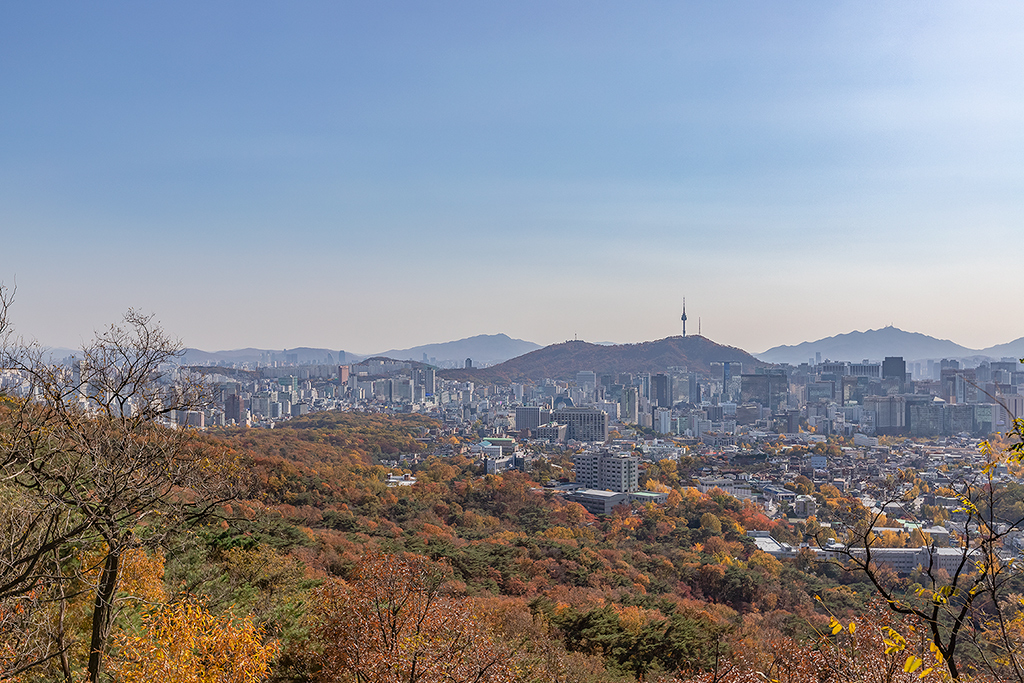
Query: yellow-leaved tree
185, 643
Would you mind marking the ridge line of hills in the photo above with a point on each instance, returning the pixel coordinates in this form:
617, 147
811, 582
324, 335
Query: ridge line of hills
886, 341
511, 359
483, 348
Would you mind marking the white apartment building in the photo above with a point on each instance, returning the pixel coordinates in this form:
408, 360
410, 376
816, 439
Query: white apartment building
605, 471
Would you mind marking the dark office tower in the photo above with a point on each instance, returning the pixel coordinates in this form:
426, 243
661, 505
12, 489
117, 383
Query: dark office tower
755, 388
894, 367
661, 390
770, 389
234, 408
528, 417
469, 363
694, 389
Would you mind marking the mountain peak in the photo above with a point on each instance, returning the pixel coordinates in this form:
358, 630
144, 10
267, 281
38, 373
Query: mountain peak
871, 344
482, 348
565, 359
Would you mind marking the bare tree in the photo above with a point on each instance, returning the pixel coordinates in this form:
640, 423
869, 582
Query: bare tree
93, 448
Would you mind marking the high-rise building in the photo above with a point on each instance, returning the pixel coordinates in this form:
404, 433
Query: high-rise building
234, 409
694, 388
663, 421
643, 382
584, 424
618, 473
588, 470
1007, 409
894, 367
889, 412
629, 405
426, 378
586, 378
959, 385
865, 369
769, 389
661, 390
528, 417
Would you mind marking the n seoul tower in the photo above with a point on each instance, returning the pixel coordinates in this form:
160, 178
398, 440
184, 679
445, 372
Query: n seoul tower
684, 316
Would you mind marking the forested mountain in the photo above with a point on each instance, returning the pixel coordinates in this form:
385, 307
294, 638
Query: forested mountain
563, 361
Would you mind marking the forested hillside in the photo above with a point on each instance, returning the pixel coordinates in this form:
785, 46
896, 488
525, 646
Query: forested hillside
563, 361
491, 577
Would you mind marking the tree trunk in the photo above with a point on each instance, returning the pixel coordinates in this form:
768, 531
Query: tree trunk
102, 613
65, 664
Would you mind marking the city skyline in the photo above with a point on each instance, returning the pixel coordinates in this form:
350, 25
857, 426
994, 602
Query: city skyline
360, 177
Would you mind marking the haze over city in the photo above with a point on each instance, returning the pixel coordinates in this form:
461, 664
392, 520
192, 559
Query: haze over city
482, 342
365, 176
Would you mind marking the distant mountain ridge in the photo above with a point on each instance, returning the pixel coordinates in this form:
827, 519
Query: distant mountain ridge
300, 354
483, 348
887, 341
563, 361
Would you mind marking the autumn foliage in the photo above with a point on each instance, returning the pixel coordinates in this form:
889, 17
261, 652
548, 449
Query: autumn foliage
184, 643
394, 623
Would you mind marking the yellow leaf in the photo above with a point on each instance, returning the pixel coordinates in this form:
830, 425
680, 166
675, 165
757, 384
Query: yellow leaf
912, 664
925, 672
853, 627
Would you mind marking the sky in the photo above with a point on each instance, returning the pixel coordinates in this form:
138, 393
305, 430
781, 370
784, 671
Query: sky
375, 175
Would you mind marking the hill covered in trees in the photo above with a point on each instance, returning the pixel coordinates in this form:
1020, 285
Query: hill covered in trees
133, 549
563, 361
491, 577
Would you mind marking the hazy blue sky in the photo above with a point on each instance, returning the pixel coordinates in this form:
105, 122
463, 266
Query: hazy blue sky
383, 174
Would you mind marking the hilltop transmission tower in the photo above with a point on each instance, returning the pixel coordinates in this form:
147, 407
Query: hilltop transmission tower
684, 316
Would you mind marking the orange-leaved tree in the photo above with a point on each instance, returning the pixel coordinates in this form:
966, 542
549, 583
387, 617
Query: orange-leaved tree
395, 623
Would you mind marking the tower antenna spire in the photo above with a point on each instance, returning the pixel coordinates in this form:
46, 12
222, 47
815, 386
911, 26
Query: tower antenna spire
684, 316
